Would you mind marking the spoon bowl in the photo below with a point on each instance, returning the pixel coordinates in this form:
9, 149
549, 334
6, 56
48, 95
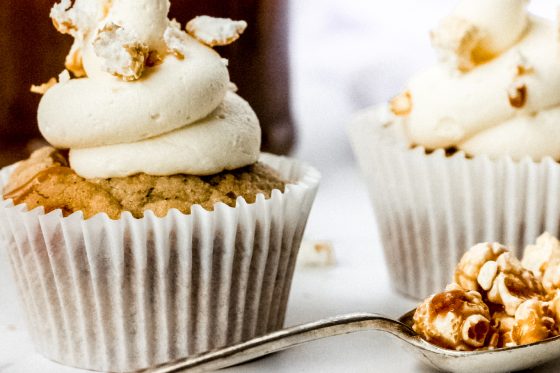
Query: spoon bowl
497, 360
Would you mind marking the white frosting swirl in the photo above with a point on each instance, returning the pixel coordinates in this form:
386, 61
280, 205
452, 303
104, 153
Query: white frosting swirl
508, 105
230, 133
175, 117
102, 111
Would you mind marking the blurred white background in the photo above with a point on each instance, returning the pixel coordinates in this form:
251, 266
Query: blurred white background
349, 54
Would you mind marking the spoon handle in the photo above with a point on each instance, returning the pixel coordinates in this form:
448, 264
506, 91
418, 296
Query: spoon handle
284, 339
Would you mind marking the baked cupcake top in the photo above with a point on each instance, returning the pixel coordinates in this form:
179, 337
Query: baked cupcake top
148, 97
46, 180
496, 87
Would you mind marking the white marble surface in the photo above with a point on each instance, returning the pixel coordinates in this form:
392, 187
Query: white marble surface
347, 54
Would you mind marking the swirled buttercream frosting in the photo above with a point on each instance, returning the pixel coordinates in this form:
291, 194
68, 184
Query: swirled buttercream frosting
148, 96
496, 87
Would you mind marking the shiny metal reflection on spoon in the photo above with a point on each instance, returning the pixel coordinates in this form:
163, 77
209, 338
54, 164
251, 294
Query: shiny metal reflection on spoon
498, 360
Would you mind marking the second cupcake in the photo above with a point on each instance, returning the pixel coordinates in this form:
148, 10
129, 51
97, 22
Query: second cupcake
469, 152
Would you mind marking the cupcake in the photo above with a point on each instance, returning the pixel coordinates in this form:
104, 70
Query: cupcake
152, 228
469, 152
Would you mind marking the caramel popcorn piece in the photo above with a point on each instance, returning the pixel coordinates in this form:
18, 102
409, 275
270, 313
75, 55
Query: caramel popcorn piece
537, 257
74, 61
123, 56
512, 284
78, 19
401, 105
554, 306
517, 95
551, 276
503, 324
215, 31
456, 319
43, 88
470, 265
496, 300
64, 20
533, 322
175, 39
455, 40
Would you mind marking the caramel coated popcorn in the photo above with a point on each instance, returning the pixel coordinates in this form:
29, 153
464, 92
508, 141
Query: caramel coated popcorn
468, 269
457, 319
496, 300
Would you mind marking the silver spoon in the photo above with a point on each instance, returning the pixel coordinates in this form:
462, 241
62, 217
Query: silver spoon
498, 360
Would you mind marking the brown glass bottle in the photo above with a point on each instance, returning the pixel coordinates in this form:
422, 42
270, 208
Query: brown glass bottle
35, 52
259, 62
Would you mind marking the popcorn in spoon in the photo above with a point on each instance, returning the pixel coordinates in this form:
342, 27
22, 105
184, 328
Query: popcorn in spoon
503, 323
533, 322
470, 265
538, 257
510, 283
496, 301
215, 31
457, 319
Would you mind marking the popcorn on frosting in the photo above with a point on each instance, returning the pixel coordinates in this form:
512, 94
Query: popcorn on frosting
495, 89
182, 112
215, 31
511, 302
122, 54
63, 77
455, 40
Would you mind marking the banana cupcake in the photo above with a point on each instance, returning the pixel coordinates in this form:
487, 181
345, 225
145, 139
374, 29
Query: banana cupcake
152, 228
469, 151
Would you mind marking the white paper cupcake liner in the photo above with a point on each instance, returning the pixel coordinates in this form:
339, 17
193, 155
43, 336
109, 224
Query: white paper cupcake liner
119, 295
431, 208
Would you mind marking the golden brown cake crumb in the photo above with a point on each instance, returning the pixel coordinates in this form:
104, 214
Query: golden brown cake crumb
45, 179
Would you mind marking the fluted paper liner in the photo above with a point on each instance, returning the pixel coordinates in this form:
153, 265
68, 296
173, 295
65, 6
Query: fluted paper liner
431, 208
119, 295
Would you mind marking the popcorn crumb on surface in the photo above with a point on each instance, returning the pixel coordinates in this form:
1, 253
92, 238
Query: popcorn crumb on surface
316, 254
